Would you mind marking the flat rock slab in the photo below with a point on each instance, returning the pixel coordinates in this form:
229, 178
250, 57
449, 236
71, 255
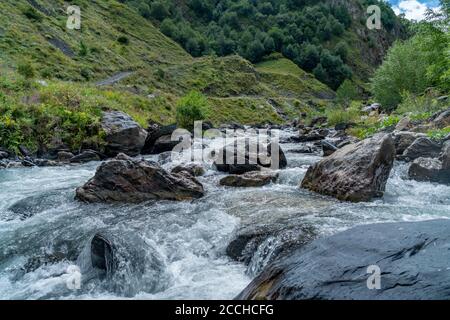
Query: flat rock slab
413, 257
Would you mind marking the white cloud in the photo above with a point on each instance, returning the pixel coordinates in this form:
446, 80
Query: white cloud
413, 9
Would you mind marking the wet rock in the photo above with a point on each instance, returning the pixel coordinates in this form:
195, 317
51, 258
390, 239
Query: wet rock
250, 179
328, 148
86, 156
318, 121
404, 139
126, 180
259, 246
357, 172
413, 265
432, 170
251, 161
45, 163
164, 144
65, 156
304, 149
421, 147
159, 139
125, 262
428, 169
4, 155
36, 262
313, 136
193, 169
123, 134
28, 162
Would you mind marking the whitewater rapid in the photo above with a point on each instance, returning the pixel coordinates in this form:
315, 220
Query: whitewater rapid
39, 218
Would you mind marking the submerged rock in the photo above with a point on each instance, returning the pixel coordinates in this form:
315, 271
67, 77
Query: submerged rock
126, 180
357, 172
250, 179
123, 134
124, 262
413, 265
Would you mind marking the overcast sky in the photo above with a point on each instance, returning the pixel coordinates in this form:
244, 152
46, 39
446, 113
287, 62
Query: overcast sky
413, 9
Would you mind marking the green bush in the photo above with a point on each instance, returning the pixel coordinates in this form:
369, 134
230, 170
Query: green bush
342, 116
32, 14
123, 40
193, 107
404, 69
346, 93
26, 70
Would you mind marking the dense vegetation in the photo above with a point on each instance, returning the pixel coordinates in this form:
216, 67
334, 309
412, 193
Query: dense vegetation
310, 33
414, 65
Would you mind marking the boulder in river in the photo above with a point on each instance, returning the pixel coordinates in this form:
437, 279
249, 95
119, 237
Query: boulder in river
421, 147
194, 169
4, 155
159, 139
357, 172
125, 262
234, 161
404, 139
413, 264
328, 148
442, 120
249, 179
432, 170
124, 179
85, 156
123, 134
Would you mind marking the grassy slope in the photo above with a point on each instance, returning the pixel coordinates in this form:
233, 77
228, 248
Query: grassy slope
237, 90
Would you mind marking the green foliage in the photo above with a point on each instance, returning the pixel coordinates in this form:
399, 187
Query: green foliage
438, 134
192, 107
420, 106
32, 14
123, 40
346, 93
301, 30
26, 70
418, 63
404, 69
341, 115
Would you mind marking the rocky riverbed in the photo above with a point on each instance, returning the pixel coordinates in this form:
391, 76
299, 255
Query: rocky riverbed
206, 248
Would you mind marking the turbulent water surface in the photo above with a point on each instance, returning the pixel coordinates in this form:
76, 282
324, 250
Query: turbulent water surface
44, 231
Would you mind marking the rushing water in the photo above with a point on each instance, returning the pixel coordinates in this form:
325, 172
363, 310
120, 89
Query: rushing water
43, 230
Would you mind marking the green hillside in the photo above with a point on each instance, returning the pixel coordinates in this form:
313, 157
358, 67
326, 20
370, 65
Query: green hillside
50, 75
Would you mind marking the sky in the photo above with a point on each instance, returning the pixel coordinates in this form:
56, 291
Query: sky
413, 9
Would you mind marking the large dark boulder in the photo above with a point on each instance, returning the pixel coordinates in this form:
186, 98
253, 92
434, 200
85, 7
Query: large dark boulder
249, 179
432, 170
126, 180
159, 139
123, 134
442, 120
230, 156
412, 257
404, 139
421, 147
357, 172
